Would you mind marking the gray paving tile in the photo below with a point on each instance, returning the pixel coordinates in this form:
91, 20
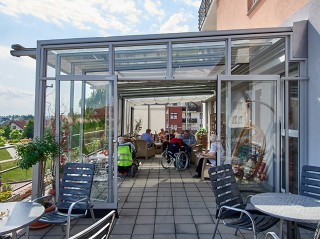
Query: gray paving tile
197, 205
202, 219
164, 236
125, 220
182, 211
142, 236
145, 220
122, 230
200, 212
164, 229
129, 212
186, 228
164, 219
205, 228
148, 205
131, 205
164, 205
183, 219
143, 229
187, 236
120, 236
147, 212
164, 211
178, 204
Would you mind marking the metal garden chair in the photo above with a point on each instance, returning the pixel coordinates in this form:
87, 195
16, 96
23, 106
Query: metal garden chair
74, 196
99, 230
310, 187
271, 235
230, 204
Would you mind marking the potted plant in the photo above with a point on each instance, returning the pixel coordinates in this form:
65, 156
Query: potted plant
39, 150
202, 137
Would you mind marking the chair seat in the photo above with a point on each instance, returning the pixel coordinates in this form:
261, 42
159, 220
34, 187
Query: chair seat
57, 217
262, 222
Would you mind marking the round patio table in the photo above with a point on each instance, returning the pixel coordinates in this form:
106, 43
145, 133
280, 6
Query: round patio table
20, 215
289, 207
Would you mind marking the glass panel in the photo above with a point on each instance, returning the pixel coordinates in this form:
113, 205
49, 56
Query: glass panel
293, 126
86, 130
141, 61
258, 56
79, 61
248, 111
201, 59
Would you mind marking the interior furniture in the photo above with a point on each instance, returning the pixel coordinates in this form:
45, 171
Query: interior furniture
143, 151
310, 187
230, 204
99, 230
289, 207
73, 199
18, 215
247, 156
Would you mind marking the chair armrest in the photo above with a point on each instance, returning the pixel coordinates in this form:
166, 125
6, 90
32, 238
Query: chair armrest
74, 203
42, 198
238, 210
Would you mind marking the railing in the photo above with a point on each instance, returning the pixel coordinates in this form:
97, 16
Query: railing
203, 11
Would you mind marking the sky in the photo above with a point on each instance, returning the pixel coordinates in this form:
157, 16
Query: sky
26, 21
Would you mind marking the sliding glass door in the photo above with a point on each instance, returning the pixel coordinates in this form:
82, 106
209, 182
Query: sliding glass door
248, 128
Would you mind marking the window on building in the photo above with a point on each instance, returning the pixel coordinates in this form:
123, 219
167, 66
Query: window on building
173, 115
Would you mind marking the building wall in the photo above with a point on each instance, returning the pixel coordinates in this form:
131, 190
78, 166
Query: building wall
233, 14
311, 12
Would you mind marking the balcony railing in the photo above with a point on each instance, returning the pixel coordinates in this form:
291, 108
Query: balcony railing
190, 121
203, 11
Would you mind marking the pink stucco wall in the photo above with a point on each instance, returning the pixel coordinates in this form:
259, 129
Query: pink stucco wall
234, 14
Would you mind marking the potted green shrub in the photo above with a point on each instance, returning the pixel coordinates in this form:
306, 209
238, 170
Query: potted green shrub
39, 150
202, 137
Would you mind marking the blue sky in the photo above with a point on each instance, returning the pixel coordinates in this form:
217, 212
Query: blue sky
26, 21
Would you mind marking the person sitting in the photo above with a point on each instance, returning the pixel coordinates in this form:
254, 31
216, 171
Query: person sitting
162, 135
147, 137
125, 155
168, 138
214, 147
189, 140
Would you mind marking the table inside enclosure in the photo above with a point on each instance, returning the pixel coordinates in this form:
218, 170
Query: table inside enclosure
19, 215
288, 207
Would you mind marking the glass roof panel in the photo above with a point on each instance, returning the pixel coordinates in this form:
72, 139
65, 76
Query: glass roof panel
201, 59
141, 61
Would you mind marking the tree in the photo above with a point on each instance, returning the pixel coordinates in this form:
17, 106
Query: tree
7, 130
15, 134
28, 129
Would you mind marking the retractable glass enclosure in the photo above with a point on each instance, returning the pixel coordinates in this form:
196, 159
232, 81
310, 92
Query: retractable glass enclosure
241, 75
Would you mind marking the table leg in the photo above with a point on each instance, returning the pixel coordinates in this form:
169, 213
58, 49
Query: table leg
14, 235
291, 230
281, 229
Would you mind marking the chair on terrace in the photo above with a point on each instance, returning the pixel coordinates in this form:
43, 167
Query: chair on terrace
310, 187
230, 204
143, 150
99, 230
74, 196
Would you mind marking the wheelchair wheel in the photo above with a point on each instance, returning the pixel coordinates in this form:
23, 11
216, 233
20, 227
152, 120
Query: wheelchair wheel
165, 160
182, 160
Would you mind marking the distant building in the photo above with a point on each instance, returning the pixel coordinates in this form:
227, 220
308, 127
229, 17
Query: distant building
18, 124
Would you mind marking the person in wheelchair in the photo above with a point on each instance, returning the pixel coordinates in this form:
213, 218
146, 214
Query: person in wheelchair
176, 144
126, 157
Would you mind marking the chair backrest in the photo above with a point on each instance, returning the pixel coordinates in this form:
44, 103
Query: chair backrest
76, 184
225, 188
310, 181
99, 230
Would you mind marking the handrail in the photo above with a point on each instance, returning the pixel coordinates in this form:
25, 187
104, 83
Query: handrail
203, 11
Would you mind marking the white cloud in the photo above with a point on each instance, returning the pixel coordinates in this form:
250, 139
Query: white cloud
175, 24
153, 7
83, 14
193, 3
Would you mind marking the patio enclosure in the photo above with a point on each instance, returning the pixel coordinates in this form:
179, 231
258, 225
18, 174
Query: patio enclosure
85, 91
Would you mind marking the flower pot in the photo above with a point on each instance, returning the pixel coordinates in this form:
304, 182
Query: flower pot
49, 207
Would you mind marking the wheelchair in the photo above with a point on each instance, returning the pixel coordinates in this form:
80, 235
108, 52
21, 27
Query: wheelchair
174, 157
